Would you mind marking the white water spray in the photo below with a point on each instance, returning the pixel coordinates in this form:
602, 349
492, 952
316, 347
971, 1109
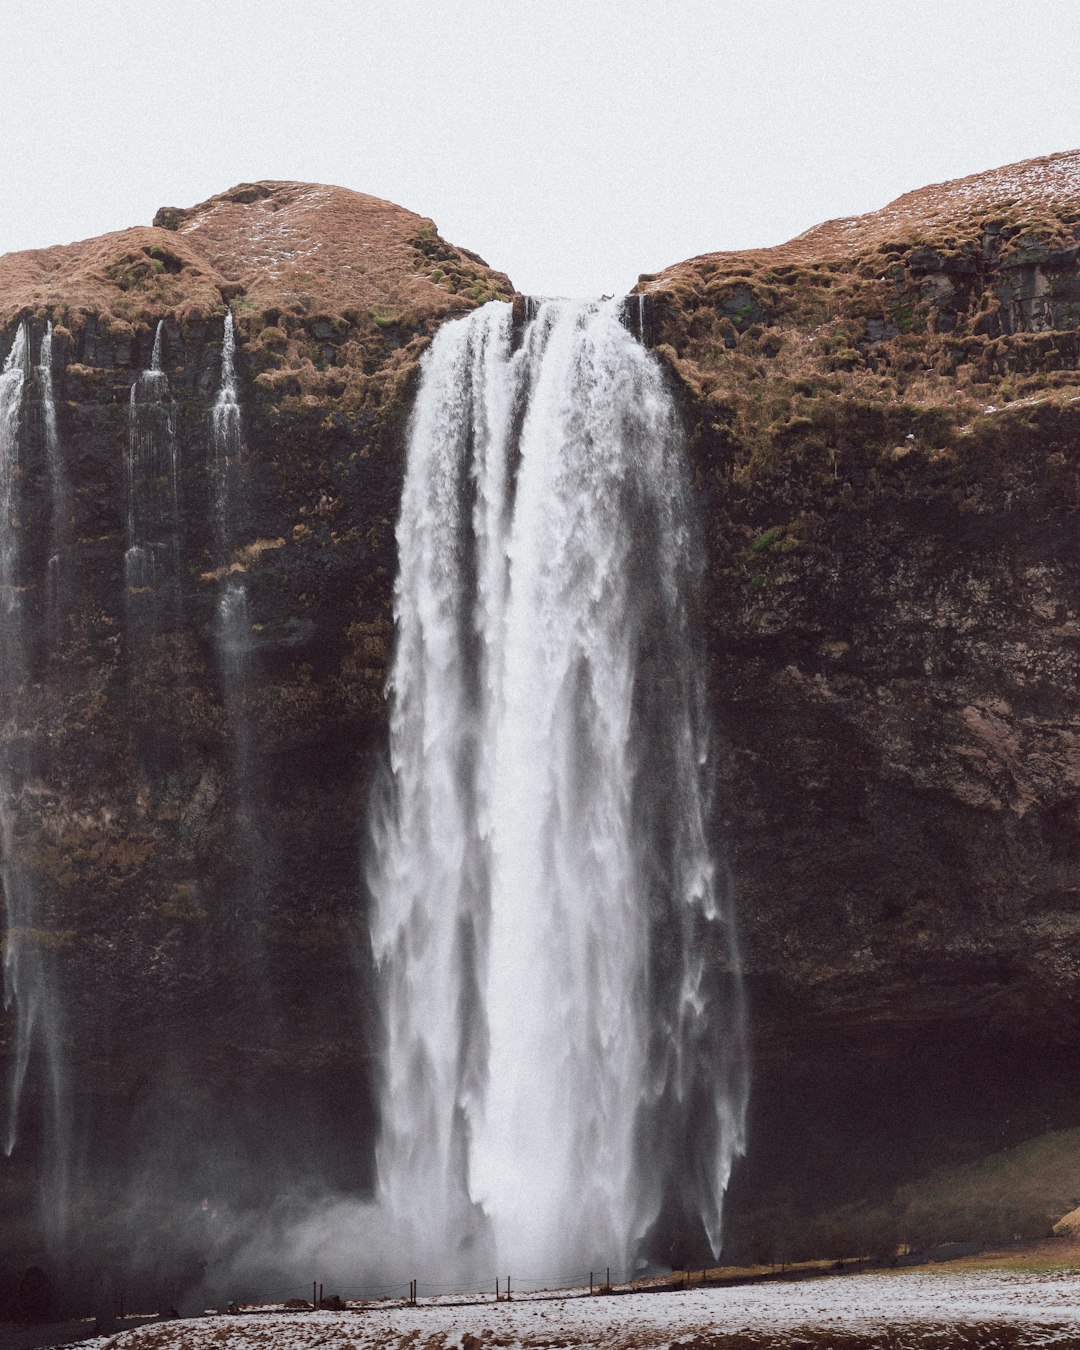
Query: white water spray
226, 442
152, 474
60, 537
226, 439
233, 620
30, 983
12, 675
563, 1071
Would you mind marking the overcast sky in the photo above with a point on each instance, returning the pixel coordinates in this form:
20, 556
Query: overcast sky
572, 144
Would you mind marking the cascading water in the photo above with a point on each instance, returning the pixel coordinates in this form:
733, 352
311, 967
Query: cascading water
563, 1076
227, 441
17, 980
233, 621
152, 473
226, 437
30, 983
59, 494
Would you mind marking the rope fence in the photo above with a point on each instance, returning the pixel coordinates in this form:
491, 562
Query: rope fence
500, 1289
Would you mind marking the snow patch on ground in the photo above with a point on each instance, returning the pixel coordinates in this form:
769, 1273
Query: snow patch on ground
917, 1306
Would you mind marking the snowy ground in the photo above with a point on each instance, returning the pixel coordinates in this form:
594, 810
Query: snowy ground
896, 1310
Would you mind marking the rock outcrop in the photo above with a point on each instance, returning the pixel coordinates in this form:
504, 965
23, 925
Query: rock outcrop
884, 426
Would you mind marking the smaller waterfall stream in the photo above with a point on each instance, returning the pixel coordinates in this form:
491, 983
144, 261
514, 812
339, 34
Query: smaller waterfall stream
227, 444
234, 612
60, 539
233, 619
30, 982
152, 470
227, 438
18, 978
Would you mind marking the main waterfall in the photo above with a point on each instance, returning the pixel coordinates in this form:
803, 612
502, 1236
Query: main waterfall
564, 1083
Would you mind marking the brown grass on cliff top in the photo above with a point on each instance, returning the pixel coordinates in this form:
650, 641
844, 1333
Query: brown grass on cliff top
1033, 192
128, 274
839, 316
295, 247
323, 249
1030, 192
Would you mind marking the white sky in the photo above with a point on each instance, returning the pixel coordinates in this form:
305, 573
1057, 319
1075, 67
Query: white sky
573, 143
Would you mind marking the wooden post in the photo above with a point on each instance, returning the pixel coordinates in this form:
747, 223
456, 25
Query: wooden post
121, 1307
496, 1288
508, 1288
320, 1292
314, 1300
609, 1279
590, 1281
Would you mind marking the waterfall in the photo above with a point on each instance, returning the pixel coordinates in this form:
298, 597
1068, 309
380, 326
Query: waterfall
226, 443
30, 984
57, 578
152, 474
563, 1070
18, 906
233, 621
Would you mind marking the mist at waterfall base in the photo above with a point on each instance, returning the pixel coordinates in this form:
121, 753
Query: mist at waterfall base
561, 1072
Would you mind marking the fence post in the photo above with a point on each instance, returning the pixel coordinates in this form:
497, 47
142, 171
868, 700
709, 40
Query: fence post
590, 1281
314, 1300
609, 1279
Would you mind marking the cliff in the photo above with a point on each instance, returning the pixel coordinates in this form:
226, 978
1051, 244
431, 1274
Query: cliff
191, 842
883, 422
885, 427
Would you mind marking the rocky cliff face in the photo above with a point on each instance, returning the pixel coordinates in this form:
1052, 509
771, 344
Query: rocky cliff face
885, 429
884, 425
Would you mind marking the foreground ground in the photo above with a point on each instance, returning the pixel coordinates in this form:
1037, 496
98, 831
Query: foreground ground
926, 1308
